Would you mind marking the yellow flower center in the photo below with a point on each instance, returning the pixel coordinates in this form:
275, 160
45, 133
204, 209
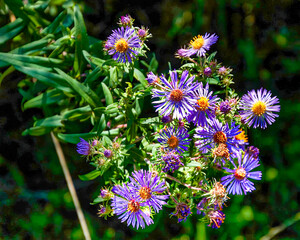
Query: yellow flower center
121, 45
220, 137
197, 42
145, 193
259, 108
133, 206
173, 142
176, 95
242, 136
203, 103
240, 173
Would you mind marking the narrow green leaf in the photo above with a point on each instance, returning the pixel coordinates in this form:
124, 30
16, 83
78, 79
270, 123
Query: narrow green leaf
153, 64
53, 121
113, 76
194, 164
101, 124
36, 131
6, 73
87, 94
93, 76
98, 200
212, 81
17, 59
113, 132
211, 56
44, 99
74, 138
48, 78
34, 46
77, 113
54, 26
90, 176
107, 94
11, 30
81, 40
140, 77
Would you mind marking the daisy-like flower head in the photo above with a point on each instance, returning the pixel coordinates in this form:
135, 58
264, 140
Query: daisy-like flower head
83, 147
204, 107
216, 218
172, 161
175, 139
182, 211
149, 189
238, 181
122, 44
216, 133
200, 44
127, 205
257, 108
176, 96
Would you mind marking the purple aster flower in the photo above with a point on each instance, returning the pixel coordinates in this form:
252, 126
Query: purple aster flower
175, 139
83, 147
237, 182
204, 107
126, 20
253, 151
257, 108
152, 78
175, 97
216, 218
225, 107
149, 189
166, 119
207, 71
105, 194
200, 44
222, 70
172, 161
107, 153
182, 211
127, 206
216, 133
122, 44
143, 33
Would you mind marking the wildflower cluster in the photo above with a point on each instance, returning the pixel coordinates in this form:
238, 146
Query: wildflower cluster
195, 153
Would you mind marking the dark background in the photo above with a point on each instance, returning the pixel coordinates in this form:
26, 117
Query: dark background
259, 40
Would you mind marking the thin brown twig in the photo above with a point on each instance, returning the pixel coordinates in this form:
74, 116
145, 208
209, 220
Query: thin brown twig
276, 230
71, 187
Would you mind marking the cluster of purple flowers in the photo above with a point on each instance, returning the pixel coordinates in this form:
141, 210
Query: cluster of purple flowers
197, 124
133, 202
185, 98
